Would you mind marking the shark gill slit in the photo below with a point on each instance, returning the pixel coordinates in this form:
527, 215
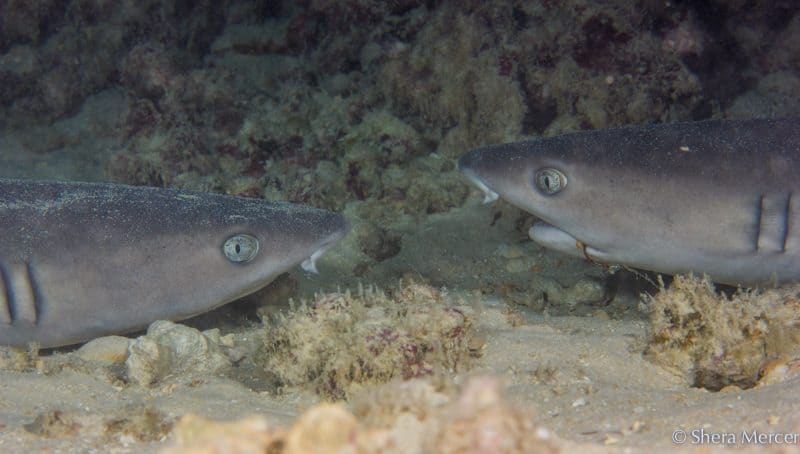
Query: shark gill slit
6, 298
36, 293
757, 226
787, 218
792, 240
21, 295
773, 223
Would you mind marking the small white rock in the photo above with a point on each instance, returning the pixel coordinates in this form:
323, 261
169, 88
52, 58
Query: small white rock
108, 349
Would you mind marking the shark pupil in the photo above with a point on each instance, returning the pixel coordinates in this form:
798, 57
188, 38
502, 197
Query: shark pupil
240, 248
550, 181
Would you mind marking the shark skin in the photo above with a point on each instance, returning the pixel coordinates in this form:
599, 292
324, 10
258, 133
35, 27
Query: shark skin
718, 197
82, 260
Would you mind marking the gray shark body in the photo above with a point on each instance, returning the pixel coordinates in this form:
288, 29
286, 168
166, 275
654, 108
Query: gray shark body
81, 260
715, 197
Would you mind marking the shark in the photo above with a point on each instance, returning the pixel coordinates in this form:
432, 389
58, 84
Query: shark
83, 260
715, 197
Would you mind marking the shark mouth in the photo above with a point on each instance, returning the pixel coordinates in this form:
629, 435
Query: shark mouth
489, 196
310, 264
554, 238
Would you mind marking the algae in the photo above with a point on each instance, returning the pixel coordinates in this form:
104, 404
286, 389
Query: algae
715, 340
340, 341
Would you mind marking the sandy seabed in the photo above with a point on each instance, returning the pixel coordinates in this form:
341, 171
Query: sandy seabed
541, 382
552, 383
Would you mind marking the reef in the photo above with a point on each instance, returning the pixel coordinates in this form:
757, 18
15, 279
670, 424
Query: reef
140, 425
714, 340
172, 350
477, 419
342, 341
363, 107
289, 101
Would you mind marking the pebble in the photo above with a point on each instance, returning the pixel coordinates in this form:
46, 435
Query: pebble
510, 252
108, 350
588, 291
517, 266
579, 402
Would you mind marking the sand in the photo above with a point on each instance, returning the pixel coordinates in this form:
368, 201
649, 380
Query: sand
583, 379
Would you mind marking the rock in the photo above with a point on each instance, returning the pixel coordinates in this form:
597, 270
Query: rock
194, 434
328, 425
588, 291
108, 349
170, 349
779, 370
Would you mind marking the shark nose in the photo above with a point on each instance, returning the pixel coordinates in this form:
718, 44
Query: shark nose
337, 228
465, 165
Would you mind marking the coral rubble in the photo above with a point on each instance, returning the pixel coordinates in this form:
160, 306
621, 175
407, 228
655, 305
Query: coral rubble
169, 349
716, 340
342, 340
480, 420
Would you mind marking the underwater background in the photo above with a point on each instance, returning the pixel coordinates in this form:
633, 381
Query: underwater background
363, 107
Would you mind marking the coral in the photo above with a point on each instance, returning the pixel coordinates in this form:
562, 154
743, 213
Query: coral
149, 71
480, 419
340, 341
381, 407
547, 293
775, 95
443, 81
363, 102
19, 359
611, 70
27, 22
329, 425
377, 242
193, 434
78, 45
54, 423
715, 340
144, 425
172, 350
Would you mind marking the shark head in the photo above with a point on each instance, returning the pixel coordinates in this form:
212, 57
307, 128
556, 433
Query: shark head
714, 197
218, 248
88, 259
547, 179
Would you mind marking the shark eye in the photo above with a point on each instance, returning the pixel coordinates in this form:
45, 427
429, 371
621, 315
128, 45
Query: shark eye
550, 181
240, 248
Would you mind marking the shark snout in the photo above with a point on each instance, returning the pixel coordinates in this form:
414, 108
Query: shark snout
331, 229
336, 228
466, 166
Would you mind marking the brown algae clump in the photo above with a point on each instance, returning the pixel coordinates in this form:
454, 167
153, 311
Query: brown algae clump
341, 340
716, 340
